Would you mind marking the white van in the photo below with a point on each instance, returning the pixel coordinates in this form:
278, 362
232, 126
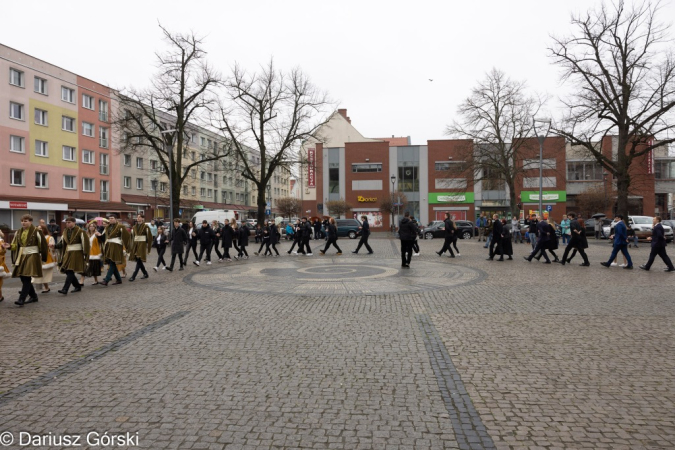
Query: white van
221, 215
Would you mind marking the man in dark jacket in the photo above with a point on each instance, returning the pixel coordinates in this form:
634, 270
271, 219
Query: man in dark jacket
658, 247
306, 234
497, 235
407, 230
297, 237
577, 241
365, 232
543, 231
178, 238
449, 236
620, 243
206, 236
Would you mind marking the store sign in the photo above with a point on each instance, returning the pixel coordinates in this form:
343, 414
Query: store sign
451, 197
39, 206
18, 205
366, 199
546, 196
311, 167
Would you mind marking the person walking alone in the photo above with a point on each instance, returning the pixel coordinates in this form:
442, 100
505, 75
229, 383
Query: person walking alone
331, 234
620, 237
659, 243
365, 232
449, 235
406, 232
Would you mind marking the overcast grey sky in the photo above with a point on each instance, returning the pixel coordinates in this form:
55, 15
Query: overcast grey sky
374, 57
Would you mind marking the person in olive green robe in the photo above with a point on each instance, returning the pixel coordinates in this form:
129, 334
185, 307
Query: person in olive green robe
141, 243
74, 247
29, 252
116, 238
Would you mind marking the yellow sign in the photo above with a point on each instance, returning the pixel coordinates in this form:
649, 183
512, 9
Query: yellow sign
362, 199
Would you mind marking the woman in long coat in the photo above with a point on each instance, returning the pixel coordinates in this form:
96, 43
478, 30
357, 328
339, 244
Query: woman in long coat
48, 266
4, 271
507, 246
274, 239
226, 234
235, 237
219, 234
95, 253
243, 233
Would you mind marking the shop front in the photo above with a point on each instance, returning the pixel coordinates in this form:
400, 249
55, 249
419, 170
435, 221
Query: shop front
460, 205
12, 210
554, 204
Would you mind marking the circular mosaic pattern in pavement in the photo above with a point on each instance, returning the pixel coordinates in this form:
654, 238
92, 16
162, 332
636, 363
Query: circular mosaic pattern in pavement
337, 276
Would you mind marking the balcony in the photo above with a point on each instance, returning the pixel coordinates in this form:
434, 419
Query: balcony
103, 143
103, 116
105, 196
105, 169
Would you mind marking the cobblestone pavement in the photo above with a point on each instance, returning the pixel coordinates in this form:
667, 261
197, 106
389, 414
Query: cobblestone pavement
352, 351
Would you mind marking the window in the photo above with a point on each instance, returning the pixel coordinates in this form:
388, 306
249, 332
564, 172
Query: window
68, 182
139, 183
193, 173
546, 163
16, 177
17, 144
41, 117
584, 171
185, 190
127, 160
102, 110
67, 94
16, 77
193, 156
153, 165
88, 129
40, 85
16, 111
209, 177
533, 182
194, 191
203, 141
88, 157
366, 167
67, 123
103, 134
162, 187
408, 178
69, 153
664, 169
209, 193
88, 184
104, 164
41, 149
104, 191
41, 180
153, 185
202, 192
202, 175
87, 101
139, 163
127, 182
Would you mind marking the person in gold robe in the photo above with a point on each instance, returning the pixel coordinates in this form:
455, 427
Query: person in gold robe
29, 251
4, 271
74, 246
117, 238
141, 243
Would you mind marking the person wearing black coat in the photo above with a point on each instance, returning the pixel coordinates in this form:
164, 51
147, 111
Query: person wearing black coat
507, 245
218, 231
305, 233
273, 240
577, 241
226, 235
243, 234
178, 238
543, 231
497, 236
160, 243
365, 232
449, 234
265, 238
658, 247
258, 233
551, 245
192, 241
297, 237
317, 229
407, 230
206, 237
331, 236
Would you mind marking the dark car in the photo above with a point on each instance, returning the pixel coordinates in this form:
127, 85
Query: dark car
347, 227
590, 226
436, 229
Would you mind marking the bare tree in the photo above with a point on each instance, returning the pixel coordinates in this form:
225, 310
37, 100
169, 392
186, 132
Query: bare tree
594, 200
160, 120
289, 206
620, 66
271, 112
496, 120
337, 208
394, 203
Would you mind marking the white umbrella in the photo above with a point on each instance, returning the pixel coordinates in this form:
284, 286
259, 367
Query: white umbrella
77, 221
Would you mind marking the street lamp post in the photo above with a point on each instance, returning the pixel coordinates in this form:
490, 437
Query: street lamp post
541, 138
170, 151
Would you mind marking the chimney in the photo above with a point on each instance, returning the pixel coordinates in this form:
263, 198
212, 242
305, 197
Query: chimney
343, 113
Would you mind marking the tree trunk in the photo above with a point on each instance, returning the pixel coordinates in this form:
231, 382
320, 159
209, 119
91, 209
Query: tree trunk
622, 185
261, 204
513, 200
176, 198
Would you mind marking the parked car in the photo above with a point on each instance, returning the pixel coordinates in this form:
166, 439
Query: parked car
347, 227
643, 228
590, 226
436, 229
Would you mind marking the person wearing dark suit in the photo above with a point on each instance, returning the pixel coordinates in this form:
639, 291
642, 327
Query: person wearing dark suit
407, 230
244, 232
206, 236
658, 247
191, 242
497, 235
449, 236
227, 236
620, 243
365, 232
274, 240
160, 242
577, 241
544, 232
178, 238
331, 234
305, 236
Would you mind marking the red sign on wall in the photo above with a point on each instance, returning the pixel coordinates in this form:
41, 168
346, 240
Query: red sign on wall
311, 167
18, 205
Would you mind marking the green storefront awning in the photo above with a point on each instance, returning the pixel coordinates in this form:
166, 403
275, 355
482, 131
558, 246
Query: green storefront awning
547, 196
451, 197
